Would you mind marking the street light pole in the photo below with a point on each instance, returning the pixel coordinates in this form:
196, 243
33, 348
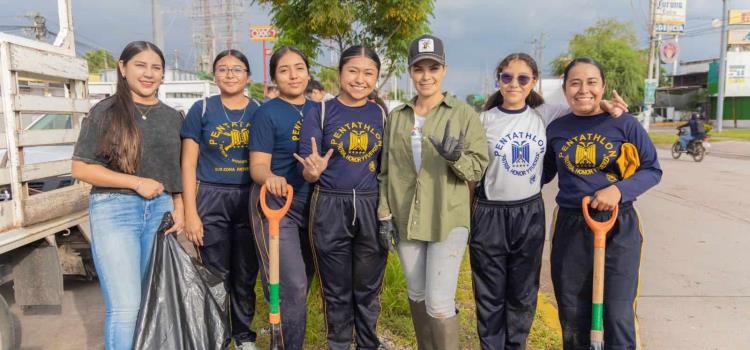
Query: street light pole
156, 24
722, 68
651, 61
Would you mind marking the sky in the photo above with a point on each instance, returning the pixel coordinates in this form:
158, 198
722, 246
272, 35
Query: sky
477, 33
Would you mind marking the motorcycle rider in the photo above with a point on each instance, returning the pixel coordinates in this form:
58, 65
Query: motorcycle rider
697, 130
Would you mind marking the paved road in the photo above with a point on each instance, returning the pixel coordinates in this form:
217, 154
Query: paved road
695, 290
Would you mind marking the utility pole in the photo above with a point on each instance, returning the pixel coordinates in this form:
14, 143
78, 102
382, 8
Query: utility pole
538, 45
156, 24
176, 61
722, 68
651, 60
676, 62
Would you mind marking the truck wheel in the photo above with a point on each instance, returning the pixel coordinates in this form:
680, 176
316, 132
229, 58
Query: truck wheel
7, 327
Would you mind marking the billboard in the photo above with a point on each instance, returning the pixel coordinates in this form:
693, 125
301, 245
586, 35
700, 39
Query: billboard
739, 17
739, 37
670, 16
738, 74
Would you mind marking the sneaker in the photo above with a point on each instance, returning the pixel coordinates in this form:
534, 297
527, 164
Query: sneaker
246, 346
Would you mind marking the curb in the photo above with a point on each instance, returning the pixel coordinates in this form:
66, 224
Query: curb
548, 313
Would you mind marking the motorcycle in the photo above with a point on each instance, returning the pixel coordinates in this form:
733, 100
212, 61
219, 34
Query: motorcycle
696, 147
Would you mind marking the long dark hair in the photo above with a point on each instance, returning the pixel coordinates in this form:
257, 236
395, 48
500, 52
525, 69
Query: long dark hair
587, 60
234, 53
120, 145
280, 52
533, 100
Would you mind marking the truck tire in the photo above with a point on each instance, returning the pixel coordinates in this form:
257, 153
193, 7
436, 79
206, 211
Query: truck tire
7, 327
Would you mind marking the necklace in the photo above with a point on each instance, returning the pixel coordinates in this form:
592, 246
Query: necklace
241, 117
144, 115
299, 110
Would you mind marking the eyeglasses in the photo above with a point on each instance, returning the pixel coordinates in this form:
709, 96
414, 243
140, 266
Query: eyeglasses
222, 71
523, 79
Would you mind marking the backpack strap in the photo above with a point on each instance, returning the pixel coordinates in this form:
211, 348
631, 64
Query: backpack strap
322, 115
382, 111
205, 102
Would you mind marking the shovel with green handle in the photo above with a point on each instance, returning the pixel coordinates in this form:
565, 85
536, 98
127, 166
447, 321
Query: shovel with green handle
274, 219
600, 230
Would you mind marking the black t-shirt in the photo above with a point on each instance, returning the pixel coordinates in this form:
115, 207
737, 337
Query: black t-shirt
160, 144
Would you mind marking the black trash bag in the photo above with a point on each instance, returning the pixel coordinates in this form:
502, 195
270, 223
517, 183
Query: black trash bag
183, 304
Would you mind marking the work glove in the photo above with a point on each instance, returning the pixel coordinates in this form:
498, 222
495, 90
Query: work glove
450, 148
387, 235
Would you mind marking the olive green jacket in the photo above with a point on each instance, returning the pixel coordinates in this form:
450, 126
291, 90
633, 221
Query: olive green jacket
427, 204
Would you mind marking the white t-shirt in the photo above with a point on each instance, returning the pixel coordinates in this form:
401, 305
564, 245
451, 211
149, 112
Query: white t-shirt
517, 142
416, 141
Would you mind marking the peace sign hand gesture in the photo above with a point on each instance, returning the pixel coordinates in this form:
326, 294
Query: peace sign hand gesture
314, 164
451, 147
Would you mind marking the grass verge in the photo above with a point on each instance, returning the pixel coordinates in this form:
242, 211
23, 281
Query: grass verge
664, 138
394, 325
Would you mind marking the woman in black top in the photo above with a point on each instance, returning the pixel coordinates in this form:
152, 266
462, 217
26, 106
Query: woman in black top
129, 150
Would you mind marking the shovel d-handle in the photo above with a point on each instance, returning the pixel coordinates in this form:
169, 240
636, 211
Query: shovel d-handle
600, 230
274, 217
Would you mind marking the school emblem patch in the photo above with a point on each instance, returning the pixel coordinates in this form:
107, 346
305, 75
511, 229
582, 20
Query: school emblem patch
357, 141
371, 166
587, 154
525, 153
228, 136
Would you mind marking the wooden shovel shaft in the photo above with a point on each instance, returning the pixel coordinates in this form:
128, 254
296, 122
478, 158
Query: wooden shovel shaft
274, 219
600, 230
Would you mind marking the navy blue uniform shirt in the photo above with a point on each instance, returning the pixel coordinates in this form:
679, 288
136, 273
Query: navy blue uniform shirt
276, 131
356, 136
223, 140
583, 151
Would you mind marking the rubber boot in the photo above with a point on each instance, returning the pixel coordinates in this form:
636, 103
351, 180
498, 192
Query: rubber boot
444, 333
421, 322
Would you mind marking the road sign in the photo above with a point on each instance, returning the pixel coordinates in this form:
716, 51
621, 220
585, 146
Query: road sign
649, 91
263, 33
670, 16
668, 50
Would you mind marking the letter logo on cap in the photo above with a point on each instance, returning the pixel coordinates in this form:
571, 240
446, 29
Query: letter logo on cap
426, 45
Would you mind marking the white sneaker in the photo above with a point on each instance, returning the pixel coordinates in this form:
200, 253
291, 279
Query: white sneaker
247, 346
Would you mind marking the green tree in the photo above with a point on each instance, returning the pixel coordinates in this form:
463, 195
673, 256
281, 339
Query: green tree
256, 91
329, 77
615, 45
398, 95
99, 59
316, 26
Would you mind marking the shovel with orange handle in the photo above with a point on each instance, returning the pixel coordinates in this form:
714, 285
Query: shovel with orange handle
274, 219
600, 230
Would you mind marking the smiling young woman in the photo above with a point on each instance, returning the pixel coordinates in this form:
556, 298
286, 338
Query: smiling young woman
348, 131
613, 161
216, 177
274, 139
129, 150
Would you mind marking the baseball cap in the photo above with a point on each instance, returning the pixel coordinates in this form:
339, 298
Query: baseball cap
426, 47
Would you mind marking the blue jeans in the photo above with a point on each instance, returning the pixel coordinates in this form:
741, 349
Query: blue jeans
684, 139
122, 235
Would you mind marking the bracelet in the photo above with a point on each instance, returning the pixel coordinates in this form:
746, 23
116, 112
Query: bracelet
137, 186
